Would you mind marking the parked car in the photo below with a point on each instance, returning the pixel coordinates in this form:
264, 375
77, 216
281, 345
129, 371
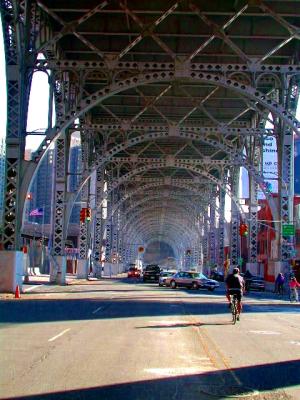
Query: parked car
217, 276
191, 280
164, 275
133, 272
255, 283
151, 273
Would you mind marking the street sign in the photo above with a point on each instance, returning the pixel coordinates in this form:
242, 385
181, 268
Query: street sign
288, 230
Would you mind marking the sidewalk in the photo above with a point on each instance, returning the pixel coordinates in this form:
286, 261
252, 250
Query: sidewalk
41, 279
44, 279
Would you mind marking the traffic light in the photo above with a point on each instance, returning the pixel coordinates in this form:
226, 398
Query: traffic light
243, 229
82, 215
88, 214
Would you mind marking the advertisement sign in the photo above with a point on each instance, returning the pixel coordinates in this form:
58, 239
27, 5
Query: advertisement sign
270, 166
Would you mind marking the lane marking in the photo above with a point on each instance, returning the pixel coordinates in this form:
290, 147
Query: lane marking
168, 322
265, 332
98, 309
31, 288
179, 370
60, 334
295, 343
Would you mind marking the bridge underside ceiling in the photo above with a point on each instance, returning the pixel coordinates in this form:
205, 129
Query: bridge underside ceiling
94, 45
112, 42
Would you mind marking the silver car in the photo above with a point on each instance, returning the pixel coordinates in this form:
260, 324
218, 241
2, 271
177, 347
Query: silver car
164, 275
191, 280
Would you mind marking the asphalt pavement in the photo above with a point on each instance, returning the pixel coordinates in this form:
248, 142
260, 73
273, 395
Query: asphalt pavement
117, 338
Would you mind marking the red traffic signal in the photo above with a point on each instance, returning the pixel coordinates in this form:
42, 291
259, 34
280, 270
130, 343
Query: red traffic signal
82, 215
243, 229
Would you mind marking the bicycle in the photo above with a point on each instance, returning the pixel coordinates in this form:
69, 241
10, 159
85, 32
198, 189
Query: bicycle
234, 308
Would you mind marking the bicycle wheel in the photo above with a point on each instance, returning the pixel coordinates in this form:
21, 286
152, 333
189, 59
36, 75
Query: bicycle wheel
234, 310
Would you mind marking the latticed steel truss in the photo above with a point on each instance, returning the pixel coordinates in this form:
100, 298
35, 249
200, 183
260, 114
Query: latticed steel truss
168, 94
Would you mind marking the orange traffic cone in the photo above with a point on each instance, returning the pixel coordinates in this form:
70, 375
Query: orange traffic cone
17, 292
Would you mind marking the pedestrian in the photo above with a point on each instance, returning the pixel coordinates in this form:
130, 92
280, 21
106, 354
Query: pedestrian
279, 282
294, 284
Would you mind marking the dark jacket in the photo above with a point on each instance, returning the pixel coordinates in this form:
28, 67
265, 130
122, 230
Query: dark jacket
280, 279
235, 282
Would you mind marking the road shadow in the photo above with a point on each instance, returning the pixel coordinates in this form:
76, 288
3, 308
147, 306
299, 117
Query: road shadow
45, 310
237, 383
184, 325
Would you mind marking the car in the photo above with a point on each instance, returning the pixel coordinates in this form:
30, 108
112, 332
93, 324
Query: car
129, 266
133, 272
191, 280
151, 273
217, 276
164, 275
255, 283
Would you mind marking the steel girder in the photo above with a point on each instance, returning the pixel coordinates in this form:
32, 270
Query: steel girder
235, 156
143, 231
127, 70
203, 172
142, 189
152, 223
190, 218
218, 80
189, 203
18, 83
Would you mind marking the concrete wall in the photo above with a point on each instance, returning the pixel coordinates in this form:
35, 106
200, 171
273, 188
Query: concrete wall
12, 264
112, 269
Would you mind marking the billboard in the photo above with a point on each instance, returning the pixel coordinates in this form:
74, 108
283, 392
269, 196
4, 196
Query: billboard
269, 166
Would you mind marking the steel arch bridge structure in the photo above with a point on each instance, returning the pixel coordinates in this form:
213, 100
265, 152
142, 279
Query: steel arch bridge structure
171, 100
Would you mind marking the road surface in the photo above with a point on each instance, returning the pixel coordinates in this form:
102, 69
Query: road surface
117, 339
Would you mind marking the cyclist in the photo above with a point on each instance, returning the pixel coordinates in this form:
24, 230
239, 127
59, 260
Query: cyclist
235, 285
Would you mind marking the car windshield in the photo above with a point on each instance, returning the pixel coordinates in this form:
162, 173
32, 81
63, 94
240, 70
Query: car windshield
132, 269
199, 275
152, 268
167, 273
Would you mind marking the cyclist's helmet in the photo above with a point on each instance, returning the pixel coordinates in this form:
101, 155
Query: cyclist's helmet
235, 271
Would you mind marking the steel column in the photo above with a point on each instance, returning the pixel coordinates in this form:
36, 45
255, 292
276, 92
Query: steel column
221, 225
287, 191
98, 227
212, 236
235, 219
60, 213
